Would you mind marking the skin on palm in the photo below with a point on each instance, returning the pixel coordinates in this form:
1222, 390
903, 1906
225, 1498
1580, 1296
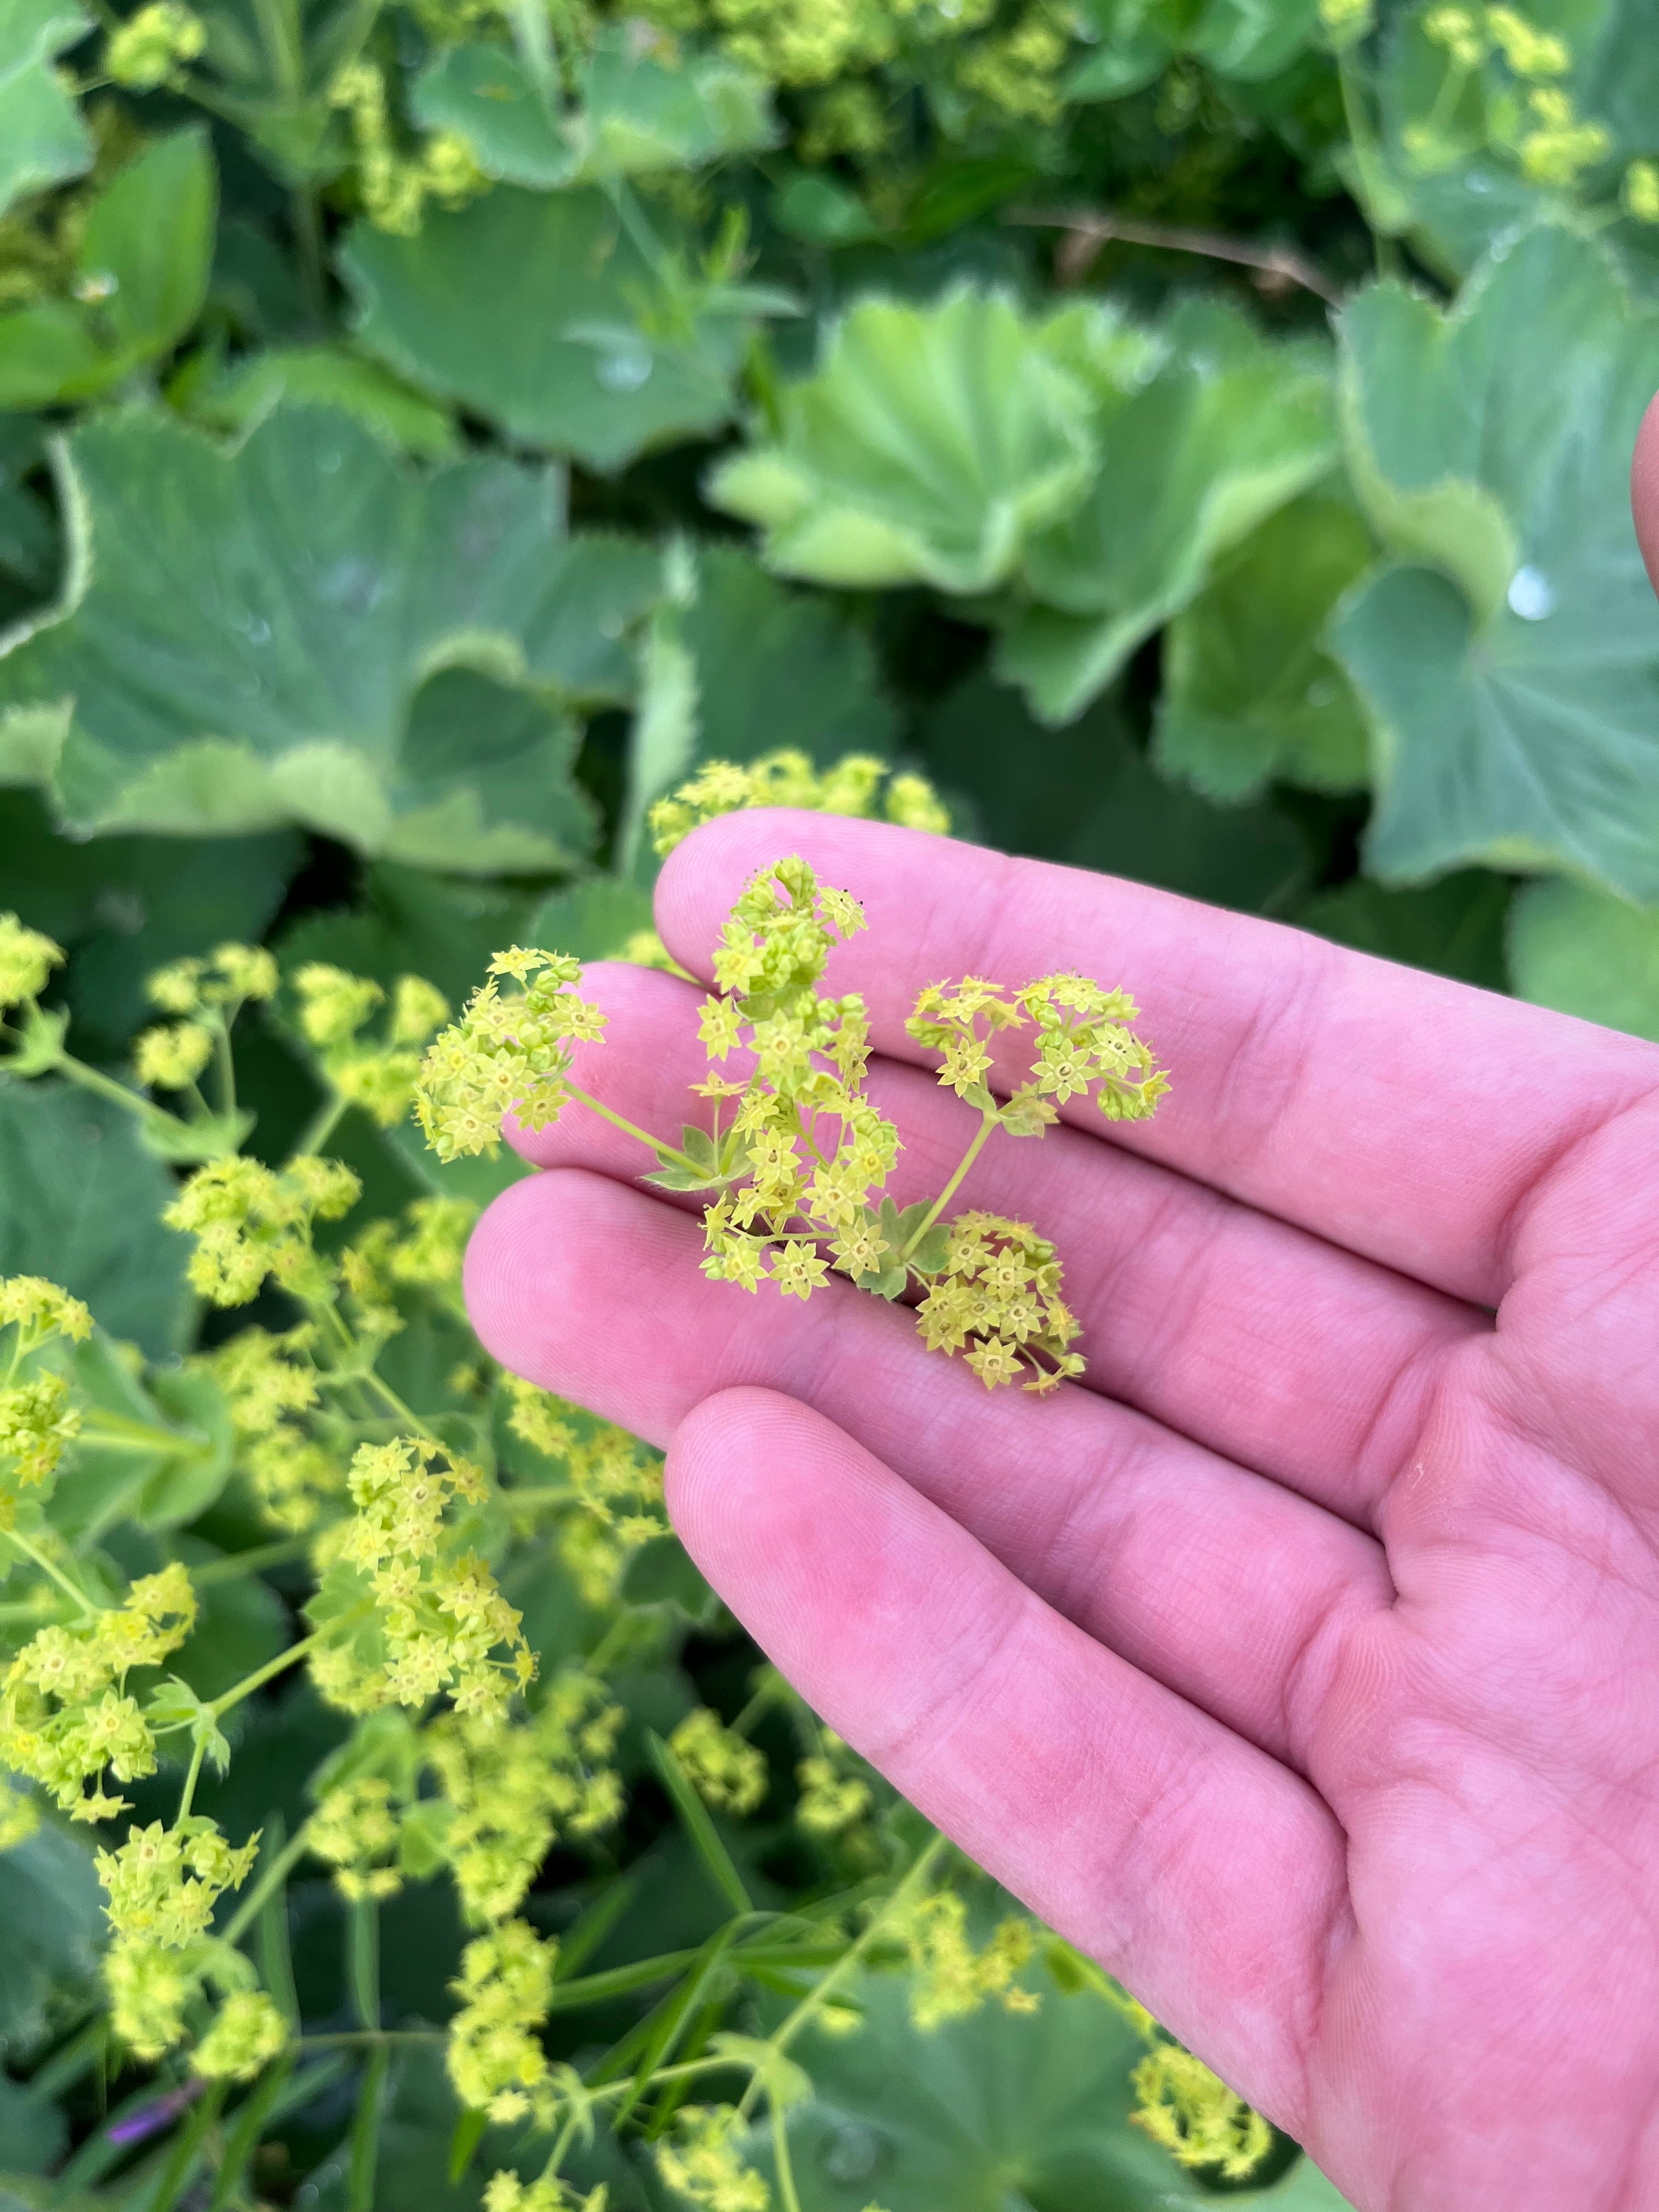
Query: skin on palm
1302, 1662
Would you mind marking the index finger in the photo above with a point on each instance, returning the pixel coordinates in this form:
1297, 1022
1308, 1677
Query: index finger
1406, 1117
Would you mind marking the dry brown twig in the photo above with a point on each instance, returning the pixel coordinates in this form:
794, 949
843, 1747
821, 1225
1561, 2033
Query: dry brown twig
1087, 230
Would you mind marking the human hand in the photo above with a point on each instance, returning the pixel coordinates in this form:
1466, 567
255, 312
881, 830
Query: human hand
1301, 1665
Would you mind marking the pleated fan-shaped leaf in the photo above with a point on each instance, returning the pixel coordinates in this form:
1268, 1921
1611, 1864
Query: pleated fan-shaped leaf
43, 139
928, 447
1198, 444
1509, 657
303, 629
540, 312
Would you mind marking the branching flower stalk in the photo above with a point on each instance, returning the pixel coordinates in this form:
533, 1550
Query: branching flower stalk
797, 1175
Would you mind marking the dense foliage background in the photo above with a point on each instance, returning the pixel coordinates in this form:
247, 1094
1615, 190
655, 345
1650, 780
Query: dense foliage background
1193, 433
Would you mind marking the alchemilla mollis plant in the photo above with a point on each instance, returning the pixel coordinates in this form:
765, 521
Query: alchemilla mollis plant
463, 1754
449, 450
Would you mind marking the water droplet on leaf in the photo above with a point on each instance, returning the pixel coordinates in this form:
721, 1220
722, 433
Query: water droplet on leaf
1531, 595
623, 372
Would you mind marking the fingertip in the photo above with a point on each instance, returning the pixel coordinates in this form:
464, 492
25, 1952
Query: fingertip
1644, 489
497, 1256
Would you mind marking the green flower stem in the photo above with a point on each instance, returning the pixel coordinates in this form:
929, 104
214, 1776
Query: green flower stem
47, 1567
269, 1881
783, 2036
235, 1565
251, 2119
342, 2038
105, 1086
120, 1432
780, 2154
322, 1124
187, 2149
224, 1060
388, 1396
987, 1124
633, 1129
187, 1796
365, 2157
364, 1961
257, 1681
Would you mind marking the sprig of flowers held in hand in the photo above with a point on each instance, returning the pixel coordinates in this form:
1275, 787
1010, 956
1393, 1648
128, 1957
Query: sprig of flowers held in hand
797, 1174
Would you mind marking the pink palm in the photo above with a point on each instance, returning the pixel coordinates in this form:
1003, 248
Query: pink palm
1303, 1664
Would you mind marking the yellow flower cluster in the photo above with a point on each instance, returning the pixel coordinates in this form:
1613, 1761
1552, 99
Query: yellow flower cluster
396, 186
494, 2057
505, 2192
378, 1075
356, 1830
172, 1055
162, 1887
615, 1485
705, 2162
441, 1619
1641, 191
858, 785
247, 2033
143, 52
833, 1798
1195, 2117
802, 1163
251, 1222
1084, 1042
950, 1979
805, 1147
726, 1772
26, 960
38, 1415
515, 1788
65, 1716
1022, 71
612, 1475
507, 1053
1347, 21
20, 1817
270, 1384
1556, 147
998, 1293
225, 980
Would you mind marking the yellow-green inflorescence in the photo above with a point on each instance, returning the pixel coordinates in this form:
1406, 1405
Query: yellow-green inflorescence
1196, 2118
797, 1158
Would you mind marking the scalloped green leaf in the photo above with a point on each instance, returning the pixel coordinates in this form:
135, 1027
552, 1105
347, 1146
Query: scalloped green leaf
779, 666
1135, 40
52, 1929
236, 397
1249, 691
43, 140
1585, 952
1225, 429
339, 643
1510, 659
539, 310
1087, 795
633, 115
138, 280
998, 2112
81, 1202
928, 447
